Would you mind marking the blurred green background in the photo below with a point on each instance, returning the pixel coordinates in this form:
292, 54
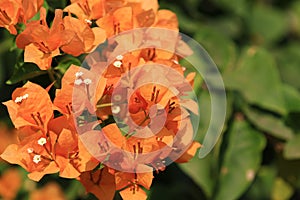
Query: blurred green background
256, 45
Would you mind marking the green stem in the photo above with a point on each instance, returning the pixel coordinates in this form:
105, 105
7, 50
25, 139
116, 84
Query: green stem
52, 77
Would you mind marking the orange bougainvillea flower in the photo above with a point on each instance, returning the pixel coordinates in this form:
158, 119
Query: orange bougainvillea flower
86, 9
30, 8
100, 182
57, 151
116, 22
14, 11
40, 42
30, 106
10, 183
46, 145
51, 191
9, 14
79, 37
80, 90
130, 184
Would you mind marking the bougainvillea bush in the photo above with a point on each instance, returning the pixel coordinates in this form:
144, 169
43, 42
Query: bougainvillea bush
75, 126
76, 130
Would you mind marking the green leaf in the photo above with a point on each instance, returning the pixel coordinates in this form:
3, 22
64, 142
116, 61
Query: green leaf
269, 123
292, 98
288, 59
65, 62
238, 7
291, 149
241, 161
203, 172
263, 184
266, 24
222, 49
281, 190
257, 78
25, 72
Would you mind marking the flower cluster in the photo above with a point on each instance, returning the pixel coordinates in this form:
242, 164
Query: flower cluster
114, 121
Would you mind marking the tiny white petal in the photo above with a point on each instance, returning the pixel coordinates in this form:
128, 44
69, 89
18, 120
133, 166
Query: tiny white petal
87, 81
176, 62
42, 141
117, 97
78, 74
119, 57
18, 100
88, 21
30, 150
183, 68
36, 159
25, 96
78, 82
115, 109
117, 64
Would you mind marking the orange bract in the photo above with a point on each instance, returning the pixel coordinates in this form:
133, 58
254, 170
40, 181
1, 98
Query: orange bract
100, 182
31, 106
14, 11
9, 15
86, 9
40, 42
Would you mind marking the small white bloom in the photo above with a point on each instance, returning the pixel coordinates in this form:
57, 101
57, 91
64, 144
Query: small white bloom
78, 74
117, 97
88, 21
115, 109
183, 68
30, 150
176, 62
36, 159
42, 141
25, 96
117, 64
78, 82
19, 100
87, 81
119, 57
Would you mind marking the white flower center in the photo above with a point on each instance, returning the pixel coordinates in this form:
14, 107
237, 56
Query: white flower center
119, 57
30, 150
78, 74
78, 82
87, 81
117, 64
42, 141
36, 159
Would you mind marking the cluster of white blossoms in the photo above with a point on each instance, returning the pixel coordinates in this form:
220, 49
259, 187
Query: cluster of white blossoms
79, 79
37, 158
118, 63
21, 98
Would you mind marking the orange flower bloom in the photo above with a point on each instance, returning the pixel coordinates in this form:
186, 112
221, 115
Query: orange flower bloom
14, 11
31, 106
100, 182
86, 9
30, 8
9, 15
79, 37
130, 184
116, 22
46, 145
40, 42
